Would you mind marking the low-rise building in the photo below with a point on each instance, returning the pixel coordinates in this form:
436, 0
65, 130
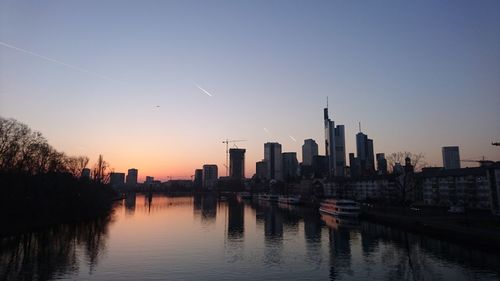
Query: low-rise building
493, 177
468, 187
379, 188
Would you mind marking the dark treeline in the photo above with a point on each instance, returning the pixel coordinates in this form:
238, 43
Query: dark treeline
41, 186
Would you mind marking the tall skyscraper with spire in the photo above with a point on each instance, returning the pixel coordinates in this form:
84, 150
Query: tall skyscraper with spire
334, 146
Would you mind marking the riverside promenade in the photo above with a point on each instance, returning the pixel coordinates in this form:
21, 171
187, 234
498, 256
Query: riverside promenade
474, 228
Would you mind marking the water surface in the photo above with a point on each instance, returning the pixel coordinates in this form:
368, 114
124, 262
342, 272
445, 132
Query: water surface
201, 238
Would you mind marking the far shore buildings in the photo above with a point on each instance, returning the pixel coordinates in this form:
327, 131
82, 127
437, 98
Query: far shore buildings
198, 178
334, 147
237, 163
493, 177
261, 170
132, 177
309, 150
290, 166
274, 160
149, 180
381, 164
451, 157
116, 179
365, 157
469, 188
210, 176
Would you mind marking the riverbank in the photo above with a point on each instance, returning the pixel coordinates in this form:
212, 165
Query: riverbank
39, 219
478, 229
29, 203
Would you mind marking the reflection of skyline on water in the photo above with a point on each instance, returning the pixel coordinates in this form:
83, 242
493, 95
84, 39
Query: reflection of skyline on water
205, 207
250, 239
236, 220
130, 202
340, 251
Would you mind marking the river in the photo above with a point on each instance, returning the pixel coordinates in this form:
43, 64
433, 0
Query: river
202, 238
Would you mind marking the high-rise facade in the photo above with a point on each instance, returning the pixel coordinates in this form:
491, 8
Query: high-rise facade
365, 154
149, 180
290, 165
320, 166
354, 165
381, 164
273, 157
237, 163
334, 146
210, 175
309, 150
132, 175
116, 179
451, 157
261, 170
198, 178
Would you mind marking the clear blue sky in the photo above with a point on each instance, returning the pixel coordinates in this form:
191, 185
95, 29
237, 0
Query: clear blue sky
419, 75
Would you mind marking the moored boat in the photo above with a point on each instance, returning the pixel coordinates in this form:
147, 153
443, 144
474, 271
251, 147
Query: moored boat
340, 207
268, 197
244, 195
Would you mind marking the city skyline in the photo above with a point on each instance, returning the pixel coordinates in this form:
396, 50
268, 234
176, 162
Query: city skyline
178, 78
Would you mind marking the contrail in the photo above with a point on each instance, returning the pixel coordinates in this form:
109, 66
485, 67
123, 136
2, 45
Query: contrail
55, 61
292, 138
205, 91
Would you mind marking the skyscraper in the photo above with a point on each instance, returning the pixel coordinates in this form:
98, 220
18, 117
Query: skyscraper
354, 165
149, 180
309, 149
261, 170
116, 179
334, 146
198, 178
381, 164
290, 165
273, 157
364, 149
451, 157
237, 163
132, 176
210, 175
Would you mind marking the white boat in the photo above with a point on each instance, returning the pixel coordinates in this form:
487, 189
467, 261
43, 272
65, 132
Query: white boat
340, 207
292, 200
337, 222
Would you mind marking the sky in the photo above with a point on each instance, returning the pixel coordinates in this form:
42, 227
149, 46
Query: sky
158, 85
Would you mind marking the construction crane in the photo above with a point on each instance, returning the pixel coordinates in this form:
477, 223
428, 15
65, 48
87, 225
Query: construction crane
482, 162
227, 141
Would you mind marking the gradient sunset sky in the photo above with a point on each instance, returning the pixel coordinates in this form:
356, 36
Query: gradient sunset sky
90, 76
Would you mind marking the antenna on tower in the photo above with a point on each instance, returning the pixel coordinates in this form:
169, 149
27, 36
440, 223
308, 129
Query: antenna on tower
327, 102
360, 127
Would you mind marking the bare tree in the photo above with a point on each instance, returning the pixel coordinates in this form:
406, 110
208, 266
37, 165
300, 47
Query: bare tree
23, 150
75, 165
417, 160
404, 178
100, 172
